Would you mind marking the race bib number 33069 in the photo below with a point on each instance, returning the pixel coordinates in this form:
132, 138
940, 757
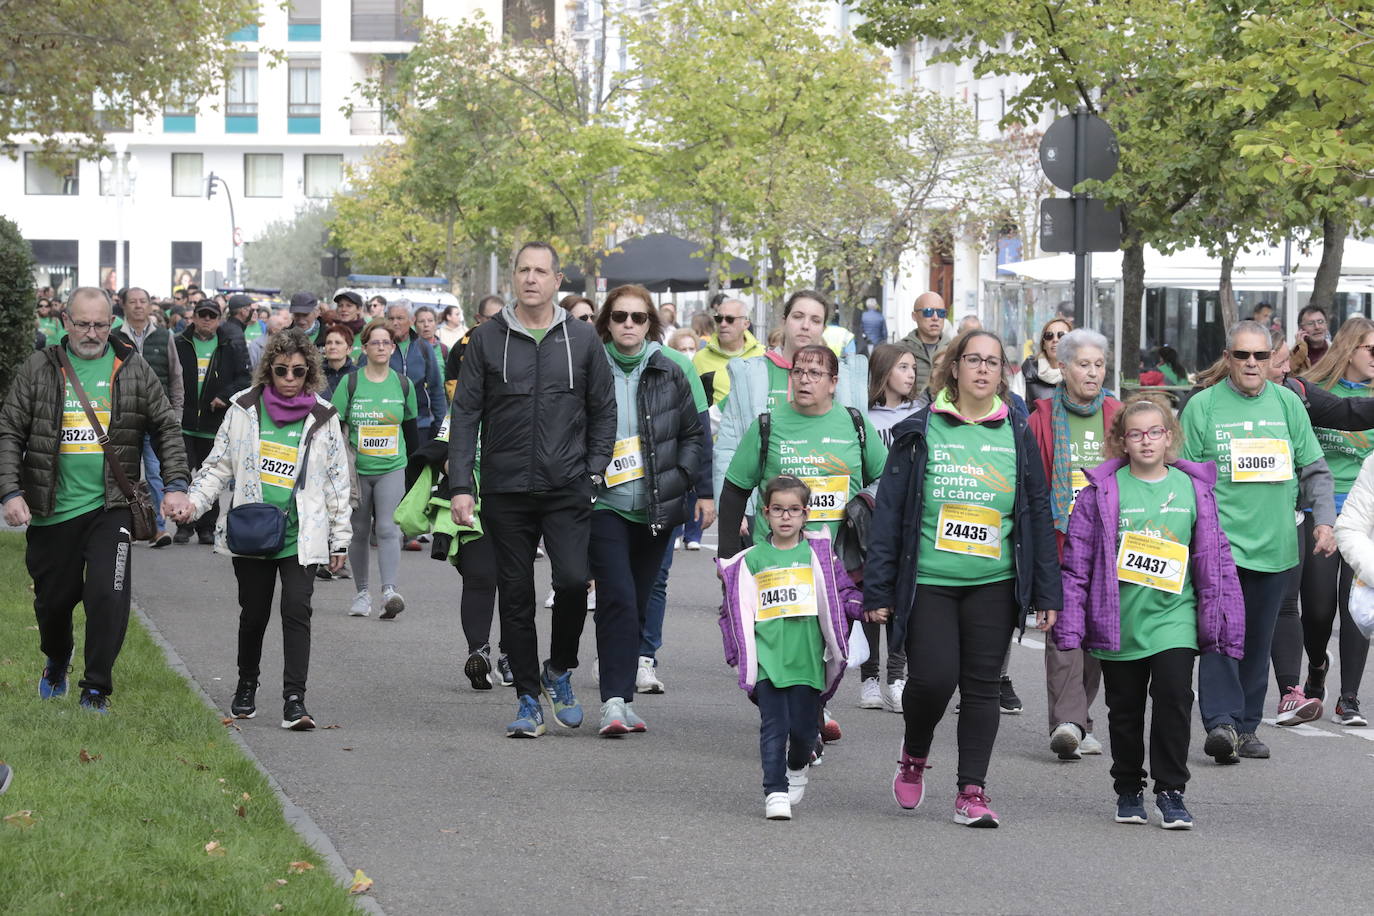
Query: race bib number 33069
1261, 460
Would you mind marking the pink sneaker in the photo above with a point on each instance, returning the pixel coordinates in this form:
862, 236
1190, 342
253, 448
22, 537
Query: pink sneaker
908, 785
1296, 707
971, 808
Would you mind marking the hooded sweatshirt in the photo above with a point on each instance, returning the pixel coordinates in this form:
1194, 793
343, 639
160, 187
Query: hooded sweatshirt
711, 358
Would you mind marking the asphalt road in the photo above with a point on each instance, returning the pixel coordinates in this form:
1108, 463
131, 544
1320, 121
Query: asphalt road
419, 787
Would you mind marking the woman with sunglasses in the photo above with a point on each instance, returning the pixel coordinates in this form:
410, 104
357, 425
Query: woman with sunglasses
579, 307
1042, 371
643, 493
378, 406
961, 549
1268, 462
280, 443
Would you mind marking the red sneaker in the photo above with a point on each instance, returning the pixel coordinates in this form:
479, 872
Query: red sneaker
830, 729
1296, 707
971, 808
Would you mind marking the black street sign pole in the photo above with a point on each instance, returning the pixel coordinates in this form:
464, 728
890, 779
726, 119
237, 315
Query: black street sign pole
1080, 217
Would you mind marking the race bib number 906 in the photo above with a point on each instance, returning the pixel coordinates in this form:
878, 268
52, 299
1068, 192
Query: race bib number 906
969, 530
627, 462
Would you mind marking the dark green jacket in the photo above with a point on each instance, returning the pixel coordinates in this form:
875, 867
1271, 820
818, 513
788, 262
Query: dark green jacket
31, 422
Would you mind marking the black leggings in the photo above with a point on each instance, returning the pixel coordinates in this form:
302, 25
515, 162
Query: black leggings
1286, 652
1326, 592
477, 566
957, 636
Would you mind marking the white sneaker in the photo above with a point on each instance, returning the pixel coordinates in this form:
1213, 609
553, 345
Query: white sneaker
796, 785
776, 807
539, 551
1065, 741
677, 543
694, 545
1089, 745
646, 678
870, 694
892, 695
548, 602
392, 603
594, 672
362, 604
591, 597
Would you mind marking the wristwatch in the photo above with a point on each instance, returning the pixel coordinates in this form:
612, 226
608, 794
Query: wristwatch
598, 480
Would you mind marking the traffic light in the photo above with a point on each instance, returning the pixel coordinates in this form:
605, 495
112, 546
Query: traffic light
211, 186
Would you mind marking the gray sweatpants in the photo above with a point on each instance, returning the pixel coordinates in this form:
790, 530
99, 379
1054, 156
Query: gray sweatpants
377, 496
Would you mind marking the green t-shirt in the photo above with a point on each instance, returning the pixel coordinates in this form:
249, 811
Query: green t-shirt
967, 501
1345, 451
51, 328
252, 330
684, 363
1153, 620
1087, 449
778, 381
278, 463
537, 334
80, 459
823, 451
787, 629
1170, 376
374, 419
205, 349
1257, 516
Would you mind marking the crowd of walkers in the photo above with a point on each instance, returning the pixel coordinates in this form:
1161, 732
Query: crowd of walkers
907, 511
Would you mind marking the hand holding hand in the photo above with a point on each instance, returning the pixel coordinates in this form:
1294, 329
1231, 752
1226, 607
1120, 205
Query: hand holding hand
17, 512
1325, 541
1045, 619
177, 507
879, 615
337, 561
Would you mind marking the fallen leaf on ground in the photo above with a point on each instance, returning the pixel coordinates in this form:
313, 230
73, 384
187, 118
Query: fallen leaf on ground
281, 882
361, 883
246, 797
85, 756
299, 868
446, 830
21, 819
240, 811
328, 727
214, 848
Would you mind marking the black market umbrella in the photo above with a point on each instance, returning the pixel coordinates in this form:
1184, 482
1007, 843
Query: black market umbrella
661, 263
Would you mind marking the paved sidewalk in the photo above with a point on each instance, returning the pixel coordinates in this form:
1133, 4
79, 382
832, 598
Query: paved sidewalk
419, 787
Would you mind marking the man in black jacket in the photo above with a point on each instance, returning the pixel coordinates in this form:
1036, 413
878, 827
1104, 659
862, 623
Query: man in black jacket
539, 388
215, 368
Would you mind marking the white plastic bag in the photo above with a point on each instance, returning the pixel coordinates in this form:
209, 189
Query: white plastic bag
1362, 607
858, 643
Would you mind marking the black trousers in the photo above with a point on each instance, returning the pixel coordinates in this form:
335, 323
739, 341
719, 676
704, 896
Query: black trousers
257, 580
625, 560
197, 450
956, 637
477, 566
515, 522
84, 560
1167, 679
1325, 594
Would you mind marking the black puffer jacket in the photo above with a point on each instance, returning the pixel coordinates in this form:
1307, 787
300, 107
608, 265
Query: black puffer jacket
31, 422
546, 409
227, 375
671, 441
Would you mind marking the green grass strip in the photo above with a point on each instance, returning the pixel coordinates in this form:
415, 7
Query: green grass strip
126, 830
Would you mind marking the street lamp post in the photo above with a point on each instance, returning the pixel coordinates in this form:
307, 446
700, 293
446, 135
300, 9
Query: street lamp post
120, 174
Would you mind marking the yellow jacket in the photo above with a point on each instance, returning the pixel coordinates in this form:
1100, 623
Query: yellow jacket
711, 358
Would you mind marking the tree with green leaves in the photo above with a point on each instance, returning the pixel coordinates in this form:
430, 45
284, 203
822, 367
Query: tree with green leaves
69, 68
286, 254
381, 225
18, 308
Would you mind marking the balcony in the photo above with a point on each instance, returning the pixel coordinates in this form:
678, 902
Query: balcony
371, 124
384, 27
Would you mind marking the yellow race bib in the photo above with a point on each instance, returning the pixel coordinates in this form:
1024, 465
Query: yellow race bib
786, 593
1078, 481
627, 462
277, 464
78, 436
202, 367
970, 530
1153, 562
379, 441
828, 497
1261, 460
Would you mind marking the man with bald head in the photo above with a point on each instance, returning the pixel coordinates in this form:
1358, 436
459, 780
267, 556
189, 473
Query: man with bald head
54, 477
929, 339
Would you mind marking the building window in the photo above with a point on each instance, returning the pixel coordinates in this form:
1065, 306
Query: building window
262, 174
241, 95
303, 87
389, 20
107, 263
528, 20
188, 171
51, 176
185, 264
303, 21
55, 263
323, 174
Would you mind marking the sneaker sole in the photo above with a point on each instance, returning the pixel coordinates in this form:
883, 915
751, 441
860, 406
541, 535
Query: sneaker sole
1066, 746
649, 688
1220, 750
1012, 710
526, 733
1132, 819
986, 820
303, 724
614, 729
478, 671
557, 721
779, 816
1310, 711
245, 715
1351, 721
1172, 825
394, 605
870, 704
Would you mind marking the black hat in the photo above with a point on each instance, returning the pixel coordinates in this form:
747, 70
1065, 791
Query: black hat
206, 305
304, 303
240, 301
351, 297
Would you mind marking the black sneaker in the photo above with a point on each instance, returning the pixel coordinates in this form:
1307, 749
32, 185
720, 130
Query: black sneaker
478, 668
503, 669
245, 704
1249, 745
1130, 809
1348, 712
1315, 686
206, 538
183, 536
95, 701
1221, 744
1172, 813
322, 572
1011, 703
294, 716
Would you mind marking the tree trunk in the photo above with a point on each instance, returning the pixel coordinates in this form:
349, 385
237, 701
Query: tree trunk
591, 263
449, 270
777, 281
713, 265
1226, 291
1133, 298
1329, 271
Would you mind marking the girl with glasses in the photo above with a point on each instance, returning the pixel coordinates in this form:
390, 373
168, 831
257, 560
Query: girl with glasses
960, 550
1042, 371
280, 443
1149, 580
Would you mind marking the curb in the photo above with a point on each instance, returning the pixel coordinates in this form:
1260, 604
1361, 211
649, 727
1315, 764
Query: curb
296, 816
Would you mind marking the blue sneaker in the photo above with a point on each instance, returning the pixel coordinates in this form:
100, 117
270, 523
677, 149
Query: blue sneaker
52, 683
95, 701
1172, 814
567, 712
1130, 809
530, 722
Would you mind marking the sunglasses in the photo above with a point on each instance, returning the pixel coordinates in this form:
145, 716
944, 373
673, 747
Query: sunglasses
206, 313
587, 318
726, 319
294, 371
934, 313
1244, 355
619, 317
1053, 335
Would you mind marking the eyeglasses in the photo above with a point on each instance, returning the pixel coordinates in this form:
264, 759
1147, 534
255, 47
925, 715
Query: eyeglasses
1311, 323
619, 317
973, 361
295, 371
206, 313
786, 511
1154, 433
810, 375
726, 319
97, 326
1244, 355
1052, 335
934, 313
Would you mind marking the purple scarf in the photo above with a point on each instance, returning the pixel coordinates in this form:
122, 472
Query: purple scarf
287, 410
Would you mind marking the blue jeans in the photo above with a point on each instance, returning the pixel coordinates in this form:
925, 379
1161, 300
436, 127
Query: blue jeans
786, 712
1231, 692
152, 472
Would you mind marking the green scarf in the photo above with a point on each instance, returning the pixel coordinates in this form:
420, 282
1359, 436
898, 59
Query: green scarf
627, 364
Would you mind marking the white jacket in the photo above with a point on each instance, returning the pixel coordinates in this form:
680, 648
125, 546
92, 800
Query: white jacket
323, 516
1355, 525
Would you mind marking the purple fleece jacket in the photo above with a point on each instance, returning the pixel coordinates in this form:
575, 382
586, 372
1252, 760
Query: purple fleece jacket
1091, 618
840, 601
